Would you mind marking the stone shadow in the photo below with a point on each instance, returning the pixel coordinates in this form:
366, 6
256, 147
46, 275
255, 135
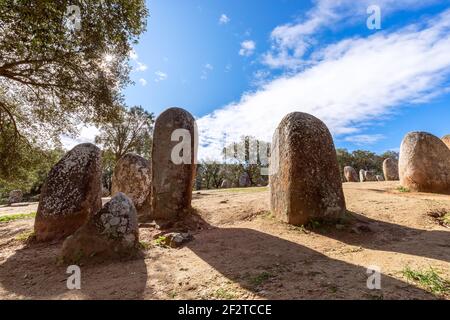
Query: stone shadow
380, 235
34, 273
276, 268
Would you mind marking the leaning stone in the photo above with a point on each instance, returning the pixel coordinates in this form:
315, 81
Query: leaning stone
174, 169
424, 164
390, 169
133, 176
15, 196
305, 182
71, 194
112, 233
350, 174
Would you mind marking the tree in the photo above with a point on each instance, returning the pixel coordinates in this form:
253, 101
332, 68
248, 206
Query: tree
130, 131
212, 174
251, 155
64, 62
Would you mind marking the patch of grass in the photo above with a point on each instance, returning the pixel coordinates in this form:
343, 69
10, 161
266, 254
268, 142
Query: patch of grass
301, 229
441, 216
161, 241
260, 278
403, 189
144, 245
428, 279
224, 294
173, 294
25, 236
18, 216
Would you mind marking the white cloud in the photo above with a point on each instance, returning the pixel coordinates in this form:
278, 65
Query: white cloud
86, 134
364, 139
207, 68
143, 82
140, 66
160, 76
224, 19
292, 41
247, 48
352, 84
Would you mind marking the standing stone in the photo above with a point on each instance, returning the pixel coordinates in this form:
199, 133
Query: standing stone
15, 196
71, 194
244, 180
111, 233
350, 174
133, 176
390, 169
424, 163
225, 184
379, 177
173, 163
369, 176
305, 182
446, 140
362, 175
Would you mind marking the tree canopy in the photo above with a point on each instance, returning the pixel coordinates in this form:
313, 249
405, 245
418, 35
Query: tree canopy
64, 62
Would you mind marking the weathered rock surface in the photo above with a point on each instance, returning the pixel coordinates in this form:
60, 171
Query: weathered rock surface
350, 174
305, 182
379, 177
369, 176
111, 233
225, 184
244, 180
362, 175
71, 194
390, 169
15, 196
424, 163
133, 176
446, 140
173, 170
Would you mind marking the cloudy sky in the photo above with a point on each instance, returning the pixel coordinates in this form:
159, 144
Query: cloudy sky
240, 66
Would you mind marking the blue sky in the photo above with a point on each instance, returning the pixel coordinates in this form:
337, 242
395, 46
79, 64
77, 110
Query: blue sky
240, 66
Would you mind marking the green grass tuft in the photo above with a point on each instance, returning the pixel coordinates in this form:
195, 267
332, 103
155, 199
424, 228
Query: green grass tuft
224, 294
428, 279
403, 189
19, 216
260, 278
25, 236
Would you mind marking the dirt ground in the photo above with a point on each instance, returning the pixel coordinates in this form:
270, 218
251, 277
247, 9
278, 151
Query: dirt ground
240, 251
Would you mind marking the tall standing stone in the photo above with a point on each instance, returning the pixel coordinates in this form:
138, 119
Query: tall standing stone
362, 175
390, 169
350, 174
71, 194
133, 176
305, 182
15, 196
446, 140
244, 180
173, 163
424, 163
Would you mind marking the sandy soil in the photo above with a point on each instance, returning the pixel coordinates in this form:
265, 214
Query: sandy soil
240, 251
